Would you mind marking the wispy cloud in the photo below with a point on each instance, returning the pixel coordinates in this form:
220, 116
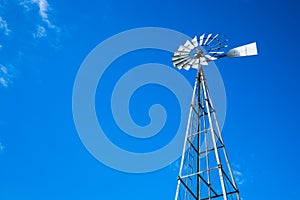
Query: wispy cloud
41, 32
7, 74
43, 11
37, 13
4, 27
238, 175
43, 8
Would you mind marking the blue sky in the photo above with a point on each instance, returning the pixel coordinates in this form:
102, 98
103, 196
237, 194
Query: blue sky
42, 45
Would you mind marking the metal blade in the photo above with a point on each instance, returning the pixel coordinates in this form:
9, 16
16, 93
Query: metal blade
178, 67
196, 65
184, 63
179, 57
181, 53
203, 61
192, 61
201, 39
207, 39
212, 39
183, 48
176, 58
216, 52
189, 45
187, 67
195, 41
210, 57
218, 48
219, 42
177, 62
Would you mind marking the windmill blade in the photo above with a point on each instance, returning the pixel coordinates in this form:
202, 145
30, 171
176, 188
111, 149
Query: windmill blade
179, 67
207, 39
217, 48
217, 52
195, 66
187, 67
214, 53
177, 58
203, 61
196, 63
218, 42
195, 41
189, 45
184, 49
201, 39
245, 50
177, 62
181, 53
212, 39
190, 64
193, 61
210, 58
183, 64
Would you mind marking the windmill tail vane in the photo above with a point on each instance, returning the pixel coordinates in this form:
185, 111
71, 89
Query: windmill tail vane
205, 172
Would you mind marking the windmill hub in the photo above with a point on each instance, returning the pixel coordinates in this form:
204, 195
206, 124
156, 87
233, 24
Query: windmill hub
198, 54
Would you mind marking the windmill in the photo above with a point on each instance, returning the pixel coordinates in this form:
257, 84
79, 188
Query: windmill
205, 171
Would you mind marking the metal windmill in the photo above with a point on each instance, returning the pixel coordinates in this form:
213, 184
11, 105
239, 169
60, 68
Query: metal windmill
205, 171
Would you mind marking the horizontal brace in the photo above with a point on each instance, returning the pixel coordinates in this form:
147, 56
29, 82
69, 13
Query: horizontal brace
212, 149
201, 172
219, 195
